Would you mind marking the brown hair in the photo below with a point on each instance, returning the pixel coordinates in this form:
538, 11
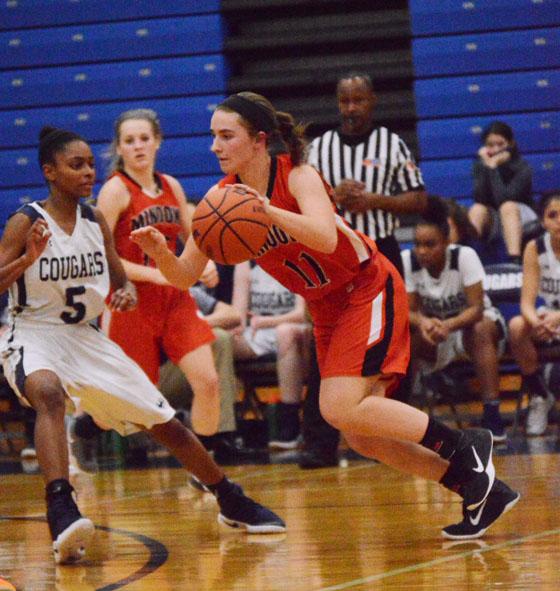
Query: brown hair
284, 130
144, 115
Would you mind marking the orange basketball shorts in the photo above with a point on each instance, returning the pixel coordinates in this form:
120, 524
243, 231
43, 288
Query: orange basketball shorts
362, 329
166, 321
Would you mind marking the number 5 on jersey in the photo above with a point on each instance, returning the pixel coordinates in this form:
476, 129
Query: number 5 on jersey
79, 308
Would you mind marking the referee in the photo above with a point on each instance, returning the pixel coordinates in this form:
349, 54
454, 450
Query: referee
371, 169
375, 180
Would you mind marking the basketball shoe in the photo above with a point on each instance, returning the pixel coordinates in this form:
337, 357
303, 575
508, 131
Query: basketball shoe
472, 462
475, 523
537, 417
70, 532
239, 511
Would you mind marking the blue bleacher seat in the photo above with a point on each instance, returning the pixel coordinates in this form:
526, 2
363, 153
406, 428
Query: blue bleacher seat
178, 156
546, 171
96, 43
449, 178
456, 138
19, 168
196, 186
13, 199
181, 116
125, 80
489, 52
39, 13
448, 16
491, 93
452, 178
188, 156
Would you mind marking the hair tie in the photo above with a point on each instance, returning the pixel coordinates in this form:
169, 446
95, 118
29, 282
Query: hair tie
259, 117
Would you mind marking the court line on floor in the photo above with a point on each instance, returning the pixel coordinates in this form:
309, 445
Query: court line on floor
158, 552
437, 561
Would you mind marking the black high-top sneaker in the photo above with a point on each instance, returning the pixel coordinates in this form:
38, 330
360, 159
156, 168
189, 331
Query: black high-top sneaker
475, 523
473, 460
70, 532
239, 511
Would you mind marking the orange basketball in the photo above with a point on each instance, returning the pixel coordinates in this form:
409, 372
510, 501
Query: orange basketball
230, 225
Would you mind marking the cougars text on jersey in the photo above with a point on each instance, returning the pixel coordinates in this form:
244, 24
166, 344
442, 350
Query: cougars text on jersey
89, 264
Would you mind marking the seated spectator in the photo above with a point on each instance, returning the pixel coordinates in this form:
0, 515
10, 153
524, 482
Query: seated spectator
273, 322
222, 318
539, 326
450, 315
502, 189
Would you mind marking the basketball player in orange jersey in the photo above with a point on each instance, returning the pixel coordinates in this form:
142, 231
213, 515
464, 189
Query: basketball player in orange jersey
165, 319
358, 305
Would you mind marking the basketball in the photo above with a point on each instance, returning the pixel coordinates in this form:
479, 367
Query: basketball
230, 225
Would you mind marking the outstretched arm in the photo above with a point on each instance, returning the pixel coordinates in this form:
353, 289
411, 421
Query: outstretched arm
183, 271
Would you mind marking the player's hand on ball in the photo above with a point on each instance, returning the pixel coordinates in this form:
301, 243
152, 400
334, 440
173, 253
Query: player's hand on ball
150, 240
37, 239
124, 299
246, 189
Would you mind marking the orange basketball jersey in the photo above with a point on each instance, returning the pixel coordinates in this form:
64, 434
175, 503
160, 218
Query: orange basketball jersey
301, 269
162, 212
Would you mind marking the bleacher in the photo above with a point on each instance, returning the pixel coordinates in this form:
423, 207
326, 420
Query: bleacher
477, 62
474, 63
63, 64
25, 14
293, 52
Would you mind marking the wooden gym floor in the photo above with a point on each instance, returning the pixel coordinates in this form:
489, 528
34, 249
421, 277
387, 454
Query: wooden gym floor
360, 526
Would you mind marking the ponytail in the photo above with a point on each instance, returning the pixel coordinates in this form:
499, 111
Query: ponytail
292, 136
258, 114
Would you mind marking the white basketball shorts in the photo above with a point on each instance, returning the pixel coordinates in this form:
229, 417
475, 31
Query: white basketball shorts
98, 377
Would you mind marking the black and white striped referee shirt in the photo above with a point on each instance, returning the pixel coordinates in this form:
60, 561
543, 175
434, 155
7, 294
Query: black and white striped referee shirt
381, 160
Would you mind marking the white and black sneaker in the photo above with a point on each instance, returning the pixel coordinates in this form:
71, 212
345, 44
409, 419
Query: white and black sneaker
475, 523
239, 511
473, 459
70, 532
537, 416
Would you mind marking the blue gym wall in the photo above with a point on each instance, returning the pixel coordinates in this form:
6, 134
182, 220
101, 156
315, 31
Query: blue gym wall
64, 64
479, 61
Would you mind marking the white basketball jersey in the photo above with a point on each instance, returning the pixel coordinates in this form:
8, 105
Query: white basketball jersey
444, 296
549, 286
69, 282
268, 297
